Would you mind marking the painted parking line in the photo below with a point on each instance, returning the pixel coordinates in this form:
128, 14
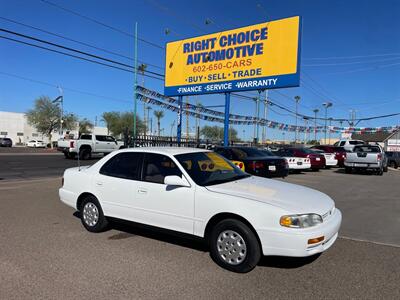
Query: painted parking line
368, 241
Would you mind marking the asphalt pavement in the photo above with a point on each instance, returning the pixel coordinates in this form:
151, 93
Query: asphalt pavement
46, 253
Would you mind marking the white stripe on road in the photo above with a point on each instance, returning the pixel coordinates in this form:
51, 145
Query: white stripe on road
368, 241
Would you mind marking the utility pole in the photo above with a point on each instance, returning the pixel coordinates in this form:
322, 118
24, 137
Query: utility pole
148, 118
296, 99
264, 132
255, 123
187, 117
62, 110
305, 130
315, 123
330, 124
326, 105
135, 84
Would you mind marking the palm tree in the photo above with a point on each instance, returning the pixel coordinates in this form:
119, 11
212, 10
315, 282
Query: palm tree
158, 114
85, 126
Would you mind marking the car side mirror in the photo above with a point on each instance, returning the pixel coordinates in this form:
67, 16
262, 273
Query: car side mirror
174, 180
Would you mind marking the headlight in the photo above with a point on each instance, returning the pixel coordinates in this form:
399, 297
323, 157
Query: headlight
301, 221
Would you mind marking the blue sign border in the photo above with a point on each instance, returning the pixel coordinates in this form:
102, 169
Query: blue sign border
282, 81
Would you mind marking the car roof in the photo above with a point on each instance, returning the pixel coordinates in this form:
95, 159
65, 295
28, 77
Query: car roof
166, 150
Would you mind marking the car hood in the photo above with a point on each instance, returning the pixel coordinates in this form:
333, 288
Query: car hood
293, 198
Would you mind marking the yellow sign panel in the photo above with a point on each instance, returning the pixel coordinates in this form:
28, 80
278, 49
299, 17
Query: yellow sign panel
249, 58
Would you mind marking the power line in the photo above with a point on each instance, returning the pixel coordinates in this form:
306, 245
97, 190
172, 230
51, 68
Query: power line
350, 63
101, 23
74, 50
78, 42
74, 56
352, 57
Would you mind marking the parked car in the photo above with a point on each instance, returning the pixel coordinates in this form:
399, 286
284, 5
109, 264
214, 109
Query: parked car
296, 164
340, 152
198, 192
317, 160
255, 161
348, 145
330, 160
36, 144
88, 144
367, 157
393, 159
5, 142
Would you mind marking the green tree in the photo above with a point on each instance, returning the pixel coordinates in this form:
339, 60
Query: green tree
159, 114
109, 118
85, 126
117, 122
217, 133
45, 117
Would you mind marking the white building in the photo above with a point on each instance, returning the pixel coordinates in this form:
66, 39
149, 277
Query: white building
15, 126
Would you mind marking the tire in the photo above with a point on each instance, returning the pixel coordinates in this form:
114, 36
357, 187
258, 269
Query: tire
92, 216
348, 170
393, 165
243, 254
385, 169
380, 172
85, 154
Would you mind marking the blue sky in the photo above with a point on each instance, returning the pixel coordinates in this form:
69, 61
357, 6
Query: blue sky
350, 54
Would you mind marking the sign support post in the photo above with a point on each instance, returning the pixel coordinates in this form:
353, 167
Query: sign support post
179, 126
135, 86
226, 121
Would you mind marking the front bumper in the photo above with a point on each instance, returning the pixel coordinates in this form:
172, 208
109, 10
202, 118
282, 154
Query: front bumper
294, 242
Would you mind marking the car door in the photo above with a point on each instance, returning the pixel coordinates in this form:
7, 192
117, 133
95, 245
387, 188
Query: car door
161, 205
100, 143
116, 182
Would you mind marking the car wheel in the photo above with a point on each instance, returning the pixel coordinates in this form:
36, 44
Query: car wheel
393, 165
347, 170
380, 172
66, 155
92, 216
84, 154
385, 169
234, 246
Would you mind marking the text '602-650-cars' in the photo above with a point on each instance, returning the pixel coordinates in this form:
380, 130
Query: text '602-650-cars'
198, 192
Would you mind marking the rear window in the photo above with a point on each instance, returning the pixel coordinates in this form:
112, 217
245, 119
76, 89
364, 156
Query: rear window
356, 142
242, 153
369, 149
6, 139
86, 137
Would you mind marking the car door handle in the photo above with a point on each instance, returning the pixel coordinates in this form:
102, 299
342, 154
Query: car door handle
99, 183
142, 191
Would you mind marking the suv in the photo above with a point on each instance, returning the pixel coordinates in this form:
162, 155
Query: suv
5, 142
348, 145
393, 159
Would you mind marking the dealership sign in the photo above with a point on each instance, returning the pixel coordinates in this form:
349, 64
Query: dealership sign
255, 57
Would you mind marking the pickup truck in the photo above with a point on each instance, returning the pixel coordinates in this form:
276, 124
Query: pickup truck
367, 157
88, 144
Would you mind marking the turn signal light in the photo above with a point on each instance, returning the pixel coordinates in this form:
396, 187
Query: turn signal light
316, 240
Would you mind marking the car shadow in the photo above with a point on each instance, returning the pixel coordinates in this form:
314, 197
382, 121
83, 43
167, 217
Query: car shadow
129, 229
355, 172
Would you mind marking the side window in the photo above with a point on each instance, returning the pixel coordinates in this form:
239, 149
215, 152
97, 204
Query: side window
342, 143
109, 138
101, 138
157, 166
124, 165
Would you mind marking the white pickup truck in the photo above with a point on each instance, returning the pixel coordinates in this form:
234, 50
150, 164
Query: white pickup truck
366, 157
88, 144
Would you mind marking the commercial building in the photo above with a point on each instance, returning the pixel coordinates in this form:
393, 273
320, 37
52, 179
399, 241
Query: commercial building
390, 141
16, 127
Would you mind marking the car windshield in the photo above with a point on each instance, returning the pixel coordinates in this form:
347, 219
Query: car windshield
245, 152
209, 168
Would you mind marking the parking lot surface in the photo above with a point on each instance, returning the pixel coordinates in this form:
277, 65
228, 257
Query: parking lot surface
46, 253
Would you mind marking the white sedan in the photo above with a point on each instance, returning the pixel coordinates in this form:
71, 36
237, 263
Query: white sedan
198, 192
36, 144
330, 159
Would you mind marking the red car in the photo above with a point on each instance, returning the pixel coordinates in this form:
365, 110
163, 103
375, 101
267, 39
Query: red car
340, 152
317, 160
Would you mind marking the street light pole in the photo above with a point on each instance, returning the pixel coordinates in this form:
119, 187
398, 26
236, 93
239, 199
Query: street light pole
62, 110
315, 123
296, 99
326, 105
